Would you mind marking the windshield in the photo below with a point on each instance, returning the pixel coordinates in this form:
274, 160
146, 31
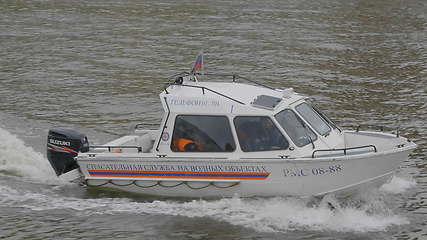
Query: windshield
326, 118
313, 118
295, 127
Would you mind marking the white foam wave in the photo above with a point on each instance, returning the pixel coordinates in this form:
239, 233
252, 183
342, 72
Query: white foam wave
399, 185
261, 214
284, 214
16, 158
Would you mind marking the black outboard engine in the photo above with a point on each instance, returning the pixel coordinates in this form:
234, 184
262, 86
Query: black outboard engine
63, 145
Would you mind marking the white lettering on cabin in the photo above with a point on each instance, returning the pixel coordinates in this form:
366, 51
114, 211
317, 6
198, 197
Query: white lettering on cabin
194, 102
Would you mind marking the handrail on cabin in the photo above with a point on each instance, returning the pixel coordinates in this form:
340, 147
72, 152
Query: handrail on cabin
208, 89
178, 82
234, 76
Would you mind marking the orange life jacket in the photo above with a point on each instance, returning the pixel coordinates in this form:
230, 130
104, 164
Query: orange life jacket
180, 143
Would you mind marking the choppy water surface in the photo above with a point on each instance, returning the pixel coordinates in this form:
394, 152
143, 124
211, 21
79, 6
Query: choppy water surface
98, 66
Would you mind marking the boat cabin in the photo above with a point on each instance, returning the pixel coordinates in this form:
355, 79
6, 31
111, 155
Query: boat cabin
231, 118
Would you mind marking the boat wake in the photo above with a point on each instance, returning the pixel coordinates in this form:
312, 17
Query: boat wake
20, 160
368, 213
398, 185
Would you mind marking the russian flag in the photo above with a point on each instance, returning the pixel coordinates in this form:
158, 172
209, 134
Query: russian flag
198, 64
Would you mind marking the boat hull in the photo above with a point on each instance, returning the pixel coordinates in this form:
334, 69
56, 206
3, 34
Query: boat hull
198, 177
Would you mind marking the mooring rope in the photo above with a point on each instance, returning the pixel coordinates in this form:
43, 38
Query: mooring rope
229, 186
96, 185
197, 188
136, 184
166, 186
159, 183
122, 185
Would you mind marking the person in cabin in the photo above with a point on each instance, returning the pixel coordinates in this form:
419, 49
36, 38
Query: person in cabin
185, 145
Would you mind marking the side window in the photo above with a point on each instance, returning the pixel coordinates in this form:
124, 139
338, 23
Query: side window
297, 130
195, 133
316, 121
259, 134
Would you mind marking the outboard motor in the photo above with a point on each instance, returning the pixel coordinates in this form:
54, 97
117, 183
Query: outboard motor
63, 145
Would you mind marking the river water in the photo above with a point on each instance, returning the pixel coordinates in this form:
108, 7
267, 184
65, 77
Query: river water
98, 66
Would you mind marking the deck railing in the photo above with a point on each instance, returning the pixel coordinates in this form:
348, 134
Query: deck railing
343, 149
153, 126
120, 147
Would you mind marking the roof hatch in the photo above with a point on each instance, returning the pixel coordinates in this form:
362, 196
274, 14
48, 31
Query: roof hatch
265, 101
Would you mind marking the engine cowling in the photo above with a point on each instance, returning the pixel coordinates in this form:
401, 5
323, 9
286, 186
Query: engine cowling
63, 145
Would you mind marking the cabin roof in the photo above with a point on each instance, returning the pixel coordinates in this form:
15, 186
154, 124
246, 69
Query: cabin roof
256, 97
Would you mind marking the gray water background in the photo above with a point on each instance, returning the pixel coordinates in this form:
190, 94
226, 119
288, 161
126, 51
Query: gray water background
98, 66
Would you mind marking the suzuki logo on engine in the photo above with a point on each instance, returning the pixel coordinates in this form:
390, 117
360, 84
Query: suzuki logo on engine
59, 142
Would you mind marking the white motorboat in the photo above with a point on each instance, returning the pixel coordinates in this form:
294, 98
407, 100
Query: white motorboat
219, 139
